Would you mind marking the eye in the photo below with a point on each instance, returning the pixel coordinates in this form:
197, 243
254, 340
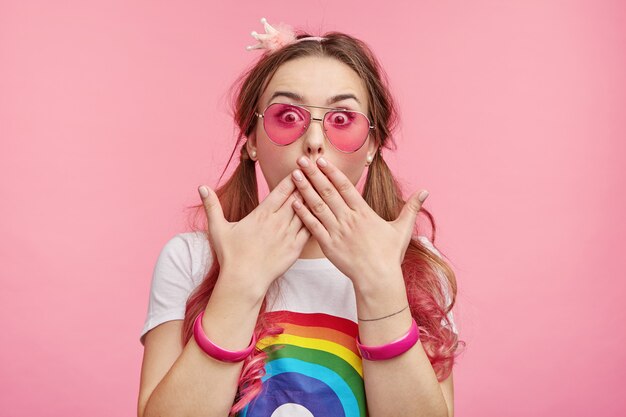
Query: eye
342, 118
290, 115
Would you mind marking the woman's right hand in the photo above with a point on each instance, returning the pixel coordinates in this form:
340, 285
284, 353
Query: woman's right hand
263, 245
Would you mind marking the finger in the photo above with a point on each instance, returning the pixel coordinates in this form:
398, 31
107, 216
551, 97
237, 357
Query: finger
277, 197
314, 201
295, 224
324, 187
303, 236
212, 208
312, 223
341, 183
286, 210
410, 210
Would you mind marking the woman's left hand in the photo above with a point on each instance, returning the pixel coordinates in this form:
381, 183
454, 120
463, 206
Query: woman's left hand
351, 234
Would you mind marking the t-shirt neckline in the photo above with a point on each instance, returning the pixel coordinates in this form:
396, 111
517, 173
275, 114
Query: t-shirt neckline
312, 263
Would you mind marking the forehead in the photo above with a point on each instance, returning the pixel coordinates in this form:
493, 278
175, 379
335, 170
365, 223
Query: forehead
316, 80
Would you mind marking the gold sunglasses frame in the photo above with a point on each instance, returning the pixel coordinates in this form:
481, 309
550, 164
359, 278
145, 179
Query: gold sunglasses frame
321, 120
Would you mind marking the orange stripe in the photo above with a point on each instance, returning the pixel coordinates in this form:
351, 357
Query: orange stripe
322, 333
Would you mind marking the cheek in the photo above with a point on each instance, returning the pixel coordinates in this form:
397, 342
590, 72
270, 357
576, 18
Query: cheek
275, 162
266, 150
352, 169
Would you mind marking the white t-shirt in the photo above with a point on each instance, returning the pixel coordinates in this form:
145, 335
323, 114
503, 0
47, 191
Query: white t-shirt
318, 371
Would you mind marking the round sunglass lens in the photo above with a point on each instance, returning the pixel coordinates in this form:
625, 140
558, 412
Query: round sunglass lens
285, 123
347, 130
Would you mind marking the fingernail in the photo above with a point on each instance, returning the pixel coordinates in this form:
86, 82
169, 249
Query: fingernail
422, 196
203, 191
298, 175
297, 204
303, 162
322, 162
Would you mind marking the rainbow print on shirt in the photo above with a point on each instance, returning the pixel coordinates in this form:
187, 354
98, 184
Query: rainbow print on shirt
317, 371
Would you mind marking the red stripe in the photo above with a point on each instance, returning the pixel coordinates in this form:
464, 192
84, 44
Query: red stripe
316, 320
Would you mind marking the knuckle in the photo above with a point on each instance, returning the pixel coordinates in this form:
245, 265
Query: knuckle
350, 223
315, 227
318, 207
303, 185
344, 187
262, 214
284, 188
326, 192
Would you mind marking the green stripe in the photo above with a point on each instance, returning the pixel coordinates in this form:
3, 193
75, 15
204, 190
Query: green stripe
327, 360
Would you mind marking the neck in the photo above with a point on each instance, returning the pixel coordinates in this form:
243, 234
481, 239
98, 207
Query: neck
311, 250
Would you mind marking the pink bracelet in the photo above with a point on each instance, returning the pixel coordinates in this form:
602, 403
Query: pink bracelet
393, 349
215, 351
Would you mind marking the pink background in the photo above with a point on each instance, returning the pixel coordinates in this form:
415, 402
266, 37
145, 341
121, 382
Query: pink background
513, 117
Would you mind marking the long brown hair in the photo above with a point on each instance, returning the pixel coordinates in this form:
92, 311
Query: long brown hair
423, 271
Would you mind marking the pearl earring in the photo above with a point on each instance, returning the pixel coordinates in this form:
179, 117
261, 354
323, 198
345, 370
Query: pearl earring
369, 158
253, 154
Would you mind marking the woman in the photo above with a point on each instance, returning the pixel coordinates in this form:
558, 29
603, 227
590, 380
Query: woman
323, 300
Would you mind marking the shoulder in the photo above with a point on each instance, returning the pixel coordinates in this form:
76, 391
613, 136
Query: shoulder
180, 267
189, 240
187, 253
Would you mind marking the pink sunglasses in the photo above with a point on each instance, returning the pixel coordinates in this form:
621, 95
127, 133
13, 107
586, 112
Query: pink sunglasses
346, 130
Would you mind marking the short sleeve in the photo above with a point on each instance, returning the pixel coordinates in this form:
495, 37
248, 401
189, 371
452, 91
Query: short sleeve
445, 284
172, 283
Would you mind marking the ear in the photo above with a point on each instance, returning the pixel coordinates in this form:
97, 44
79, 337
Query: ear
372, 148
251, 144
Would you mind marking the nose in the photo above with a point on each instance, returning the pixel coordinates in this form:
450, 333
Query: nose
314, 142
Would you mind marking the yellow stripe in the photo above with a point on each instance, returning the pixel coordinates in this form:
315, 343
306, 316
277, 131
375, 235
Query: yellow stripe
317, 344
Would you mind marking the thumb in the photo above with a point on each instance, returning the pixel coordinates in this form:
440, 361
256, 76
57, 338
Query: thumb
212, 208
411, 208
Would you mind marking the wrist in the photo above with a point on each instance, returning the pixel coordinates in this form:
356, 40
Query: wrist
372, 286
386, 330
391, 349
215, 351
232, 285
386, 297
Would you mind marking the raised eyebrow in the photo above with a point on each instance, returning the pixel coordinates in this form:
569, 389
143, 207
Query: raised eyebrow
300, 99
